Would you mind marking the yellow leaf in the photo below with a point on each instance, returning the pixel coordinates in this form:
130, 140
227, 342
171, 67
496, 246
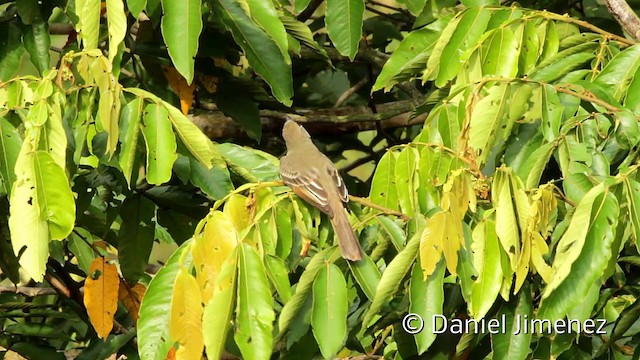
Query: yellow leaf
101, 295
523, 263
451, 244
433, 236
237, 210
131, 297
179, 85
506, 220
185, 323
210, 249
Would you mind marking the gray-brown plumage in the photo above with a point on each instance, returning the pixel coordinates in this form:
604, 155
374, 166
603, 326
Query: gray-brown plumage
313, 177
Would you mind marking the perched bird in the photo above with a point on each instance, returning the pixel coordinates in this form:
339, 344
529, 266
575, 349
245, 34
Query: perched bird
313, 177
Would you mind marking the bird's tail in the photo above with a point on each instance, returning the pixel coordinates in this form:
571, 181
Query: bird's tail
347, 240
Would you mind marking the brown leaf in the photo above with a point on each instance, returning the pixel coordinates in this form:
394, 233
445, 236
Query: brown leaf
101, 295
179, 85
131, 297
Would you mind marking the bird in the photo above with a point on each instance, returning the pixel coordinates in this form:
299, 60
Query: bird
315, 179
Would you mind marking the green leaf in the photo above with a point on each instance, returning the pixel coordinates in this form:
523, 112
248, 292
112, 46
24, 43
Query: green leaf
406, 179
136, 235
408, 58
488, 120
28, 10
291, 307
136, 7
632, 194
301, 32
215, 182
262, 52
366, 274
89, 25
254, 312
161, 143
563, 63
181, 27
37, 42
627, 318
265, 15
344, 25
427, 299
486, 249
10, 144
11, 49
471, 26
129, 134
329, 313
42, 208
253, 165
620, 71
383, 186
392, 276
414, 6
277, 273
514, 344
117, 28
218, 312
82, 250
500, 56
584, 260
153, 331
394, 231
193, 138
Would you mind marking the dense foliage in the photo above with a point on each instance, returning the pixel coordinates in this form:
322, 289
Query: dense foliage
508, 189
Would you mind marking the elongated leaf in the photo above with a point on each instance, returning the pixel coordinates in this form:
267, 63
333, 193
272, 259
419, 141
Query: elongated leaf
185, 322
156, 308
344, 25
117, 21
262, 52
136, 7
330, 306
486, 288
620, 71
193, 138
218, 312
136, 235
161, 144
10, 144
37, 42
11, 49
254, 319
407, 179
632, 194
427, 299
89, 25
277, 273
384, 190
393, 231
394, 273
407, 59
487, 120
467, 32
211, 249
434, 235
500, 56
291, 308
129, 134
215, 181
101, 295
572, 243
366, 274
594, 253
181, 28
265, 15
515, 342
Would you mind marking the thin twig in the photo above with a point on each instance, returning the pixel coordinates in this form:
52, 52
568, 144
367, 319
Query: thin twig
350, 91
384, 210
28, 291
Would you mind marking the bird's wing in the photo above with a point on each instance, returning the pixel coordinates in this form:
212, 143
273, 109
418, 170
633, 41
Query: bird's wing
337, 180
307, 184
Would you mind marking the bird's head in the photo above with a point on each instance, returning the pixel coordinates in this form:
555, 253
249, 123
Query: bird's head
292, 131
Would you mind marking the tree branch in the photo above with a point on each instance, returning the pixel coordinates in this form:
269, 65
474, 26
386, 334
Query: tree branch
625, 16
28, 291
